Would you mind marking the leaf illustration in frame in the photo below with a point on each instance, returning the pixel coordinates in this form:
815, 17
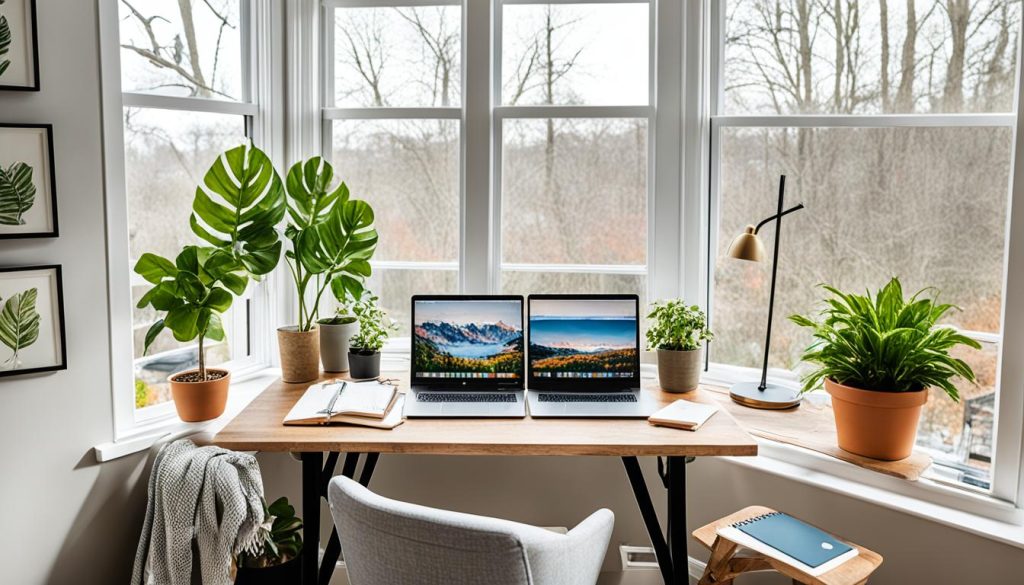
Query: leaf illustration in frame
19, 323
17, 193
5, 43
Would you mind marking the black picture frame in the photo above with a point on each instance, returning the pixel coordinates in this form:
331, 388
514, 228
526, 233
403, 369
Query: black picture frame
52, 170
31, 5
60, 333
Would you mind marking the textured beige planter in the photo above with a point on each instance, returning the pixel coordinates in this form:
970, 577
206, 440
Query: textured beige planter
300, 354
679, 371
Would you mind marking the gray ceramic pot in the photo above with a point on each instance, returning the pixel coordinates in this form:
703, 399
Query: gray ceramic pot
334, 345
679, 371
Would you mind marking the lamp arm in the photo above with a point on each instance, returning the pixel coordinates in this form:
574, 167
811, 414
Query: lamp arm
797, 207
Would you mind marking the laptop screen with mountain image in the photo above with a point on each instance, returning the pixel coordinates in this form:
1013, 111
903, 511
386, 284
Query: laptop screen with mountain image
584, 341
473, 341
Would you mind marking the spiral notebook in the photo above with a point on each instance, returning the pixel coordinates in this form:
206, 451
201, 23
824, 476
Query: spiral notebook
368, 404
790, 541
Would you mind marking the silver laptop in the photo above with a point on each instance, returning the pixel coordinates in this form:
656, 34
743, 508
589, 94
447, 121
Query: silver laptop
467, 357
584, 357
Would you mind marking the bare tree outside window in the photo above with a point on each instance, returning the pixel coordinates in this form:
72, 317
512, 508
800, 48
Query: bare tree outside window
926, 204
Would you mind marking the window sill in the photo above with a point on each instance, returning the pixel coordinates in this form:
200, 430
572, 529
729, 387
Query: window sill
242, 392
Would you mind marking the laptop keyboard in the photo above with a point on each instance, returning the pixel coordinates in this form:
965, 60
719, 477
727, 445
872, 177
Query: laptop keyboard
617, 397
465, 397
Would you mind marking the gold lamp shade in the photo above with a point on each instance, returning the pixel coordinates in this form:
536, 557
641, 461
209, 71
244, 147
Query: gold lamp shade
747, 246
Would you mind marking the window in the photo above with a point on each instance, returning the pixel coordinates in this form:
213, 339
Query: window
392, 130
570, 142
188, 93
573, 141
894, 123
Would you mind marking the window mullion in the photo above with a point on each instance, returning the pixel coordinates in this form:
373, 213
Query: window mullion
477, 202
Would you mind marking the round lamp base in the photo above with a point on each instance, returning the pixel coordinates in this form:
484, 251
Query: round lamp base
773, 397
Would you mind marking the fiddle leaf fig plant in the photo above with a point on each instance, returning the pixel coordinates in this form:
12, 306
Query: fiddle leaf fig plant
884, 342
332, 238
192, 292
238, 207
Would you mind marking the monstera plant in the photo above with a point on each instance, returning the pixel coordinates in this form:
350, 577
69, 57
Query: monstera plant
19, 324
332, 240
235, 210
17, 193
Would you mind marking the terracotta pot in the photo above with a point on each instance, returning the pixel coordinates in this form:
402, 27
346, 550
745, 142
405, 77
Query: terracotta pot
679, 371
880, 425
334, 345
199, 401
363, 364
300, 354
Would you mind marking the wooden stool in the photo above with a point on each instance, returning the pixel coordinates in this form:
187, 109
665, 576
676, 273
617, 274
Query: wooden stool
725, 564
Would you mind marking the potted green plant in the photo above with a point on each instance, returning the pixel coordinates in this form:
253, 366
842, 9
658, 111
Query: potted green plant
335, 331
276, 559
235, 210
332, 240
678, 331
364, 347
878, 355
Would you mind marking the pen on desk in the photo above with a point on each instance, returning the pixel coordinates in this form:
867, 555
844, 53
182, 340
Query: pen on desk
330, 405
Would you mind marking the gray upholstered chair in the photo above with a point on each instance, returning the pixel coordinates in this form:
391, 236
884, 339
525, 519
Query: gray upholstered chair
386, 542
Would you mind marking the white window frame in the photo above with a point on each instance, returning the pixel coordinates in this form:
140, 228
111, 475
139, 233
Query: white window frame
261, 104
1003, 501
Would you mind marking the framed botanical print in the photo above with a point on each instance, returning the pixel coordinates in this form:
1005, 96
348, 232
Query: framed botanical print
19, 46
28, 197
31, 320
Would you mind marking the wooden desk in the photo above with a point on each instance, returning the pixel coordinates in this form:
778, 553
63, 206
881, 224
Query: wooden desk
259, 428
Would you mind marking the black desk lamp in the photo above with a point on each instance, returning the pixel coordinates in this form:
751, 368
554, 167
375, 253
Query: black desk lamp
748, 246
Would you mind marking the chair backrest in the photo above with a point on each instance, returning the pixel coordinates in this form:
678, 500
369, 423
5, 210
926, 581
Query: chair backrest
387, 542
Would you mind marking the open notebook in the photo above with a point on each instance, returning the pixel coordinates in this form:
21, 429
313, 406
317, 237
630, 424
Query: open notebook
370, 404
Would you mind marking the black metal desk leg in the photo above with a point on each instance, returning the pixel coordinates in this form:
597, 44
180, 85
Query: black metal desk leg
332, 552
312, 468
643, 501
677, 535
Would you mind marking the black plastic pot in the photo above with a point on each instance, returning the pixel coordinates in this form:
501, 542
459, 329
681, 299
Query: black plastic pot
285, 574
363, 364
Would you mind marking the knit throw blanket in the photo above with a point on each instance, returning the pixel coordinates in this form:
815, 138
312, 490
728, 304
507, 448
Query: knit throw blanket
203, 496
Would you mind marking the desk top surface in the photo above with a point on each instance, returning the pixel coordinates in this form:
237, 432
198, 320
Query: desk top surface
259, 428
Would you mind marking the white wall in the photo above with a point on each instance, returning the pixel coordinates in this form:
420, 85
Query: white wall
67, 519
64, 516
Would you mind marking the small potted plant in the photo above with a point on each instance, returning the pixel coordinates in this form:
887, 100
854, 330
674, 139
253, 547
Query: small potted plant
276, 559
678, 331
878, 355
364, 347
192, 292
334, 335
332, 240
